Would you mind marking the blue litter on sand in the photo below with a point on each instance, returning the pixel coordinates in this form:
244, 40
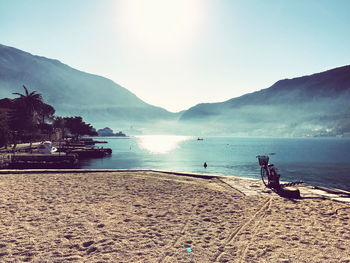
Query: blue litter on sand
188, 250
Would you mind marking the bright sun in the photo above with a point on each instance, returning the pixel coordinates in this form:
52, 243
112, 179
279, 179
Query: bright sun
160, 144
159, 25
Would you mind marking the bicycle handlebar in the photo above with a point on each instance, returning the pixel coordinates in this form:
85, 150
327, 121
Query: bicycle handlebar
267, 154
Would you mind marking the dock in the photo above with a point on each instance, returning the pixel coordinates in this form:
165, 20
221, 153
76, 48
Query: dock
39, 161
66, 157
91, 152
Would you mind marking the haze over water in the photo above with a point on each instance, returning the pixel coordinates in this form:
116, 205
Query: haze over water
317, 161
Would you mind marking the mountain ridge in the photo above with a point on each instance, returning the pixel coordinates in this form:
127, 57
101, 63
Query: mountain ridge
71, 91
308, 105
265, 96
300, 106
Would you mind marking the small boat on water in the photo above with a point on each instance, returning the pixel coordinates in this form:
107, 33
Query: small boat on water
199, 139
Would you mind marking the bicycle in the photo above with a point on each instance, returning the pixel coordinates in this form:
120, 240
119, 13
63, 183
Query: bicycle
269, 175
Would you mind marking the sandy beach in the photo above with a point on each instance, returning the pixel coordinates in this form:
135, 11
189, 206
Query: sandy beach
149, 216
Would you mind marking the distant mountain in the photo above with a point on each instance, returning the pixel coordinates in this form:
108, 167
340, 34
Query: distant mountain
73, 92
318, 104
315, 105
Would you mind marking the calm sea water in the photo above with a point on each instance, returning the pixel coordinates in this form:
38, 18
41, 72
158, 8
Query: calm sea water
317, 161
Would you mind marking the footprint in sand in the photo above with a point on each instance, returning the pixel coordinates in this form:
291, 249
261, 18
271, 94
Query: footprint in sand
88, 243
91, 249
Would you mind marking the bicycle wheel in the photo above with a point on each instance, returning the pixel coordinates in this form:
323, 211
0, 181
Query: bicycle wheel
264, 176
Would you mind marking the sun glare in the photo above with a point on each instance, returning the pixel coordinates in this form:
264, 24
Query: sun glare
160, 144
159, 25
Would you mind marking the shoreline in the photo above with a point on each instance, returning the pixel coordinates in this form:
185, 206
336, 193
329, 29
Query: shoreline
239, 183
150, 216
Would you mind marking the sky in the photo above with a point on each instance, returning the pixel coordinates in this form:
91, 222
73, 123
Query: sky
178, 53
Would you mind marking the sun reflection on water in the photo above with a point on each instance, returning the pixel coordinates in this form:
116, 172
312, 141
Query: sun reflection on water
160, 144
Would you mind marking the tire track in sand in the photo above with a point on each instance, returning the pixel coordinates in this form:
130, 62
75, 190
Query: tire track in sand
182, 232
257, 216
255, 229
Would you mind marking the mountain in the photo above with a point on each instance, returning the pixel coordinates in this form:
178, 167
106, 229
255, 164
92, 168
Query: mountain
310, 105
73, 92
314, 105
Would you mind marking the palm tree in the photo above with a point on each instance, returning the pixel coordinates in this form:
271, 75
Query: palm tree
31, 102
46, 115
26, 113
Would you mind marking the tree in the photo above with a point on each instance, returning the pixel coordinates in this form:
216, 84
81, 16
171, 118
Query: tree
78, 127
31, 102
4, 131
25, 115
46, 112
46, 115
5, 106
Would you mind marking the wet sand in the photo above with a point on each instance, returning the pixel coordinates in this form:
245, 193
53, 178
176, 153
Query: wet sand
154, 217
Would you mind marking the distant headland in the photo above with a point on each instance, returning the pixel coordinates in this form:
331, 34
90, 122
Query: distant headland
108, 132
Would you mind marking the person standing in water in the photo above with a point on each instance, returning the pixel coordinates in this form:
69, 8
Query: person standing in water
205, 165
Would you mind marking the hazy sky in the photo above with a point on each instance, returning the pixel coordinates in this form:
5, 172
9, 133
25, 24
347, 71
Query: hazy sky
177, 53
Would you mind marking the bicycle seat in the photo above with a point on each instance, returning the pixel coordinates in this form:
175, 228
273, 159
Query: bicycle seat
270, 164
